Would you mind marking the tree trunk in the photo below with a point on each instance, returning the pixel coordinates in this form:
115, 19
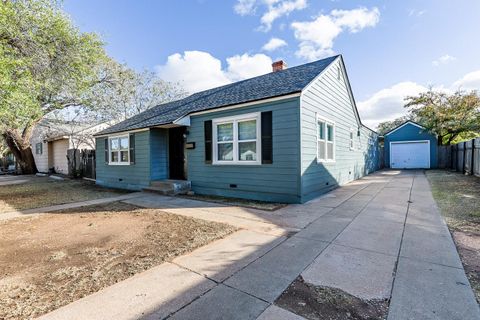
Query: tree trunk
19, 145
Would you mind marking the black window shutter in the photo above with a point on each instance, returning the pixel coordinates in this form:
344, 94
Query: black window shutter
106, 150
207, 126
132, 148
267, 138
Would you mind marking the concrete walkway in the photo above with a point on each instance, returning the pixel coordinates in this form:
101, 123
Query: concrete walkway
378, 237
9, 179
37, 211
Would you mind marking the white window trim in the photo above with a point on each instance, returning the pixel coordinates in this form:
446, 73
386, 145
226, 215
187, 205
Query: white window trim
235, 120
327, 122
118, 163
351, 140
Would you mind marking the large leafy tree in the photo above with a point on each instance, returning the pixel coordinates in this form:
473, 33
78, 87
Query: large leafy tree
46, 64
129, 92
386, 126
3, 153
449, 116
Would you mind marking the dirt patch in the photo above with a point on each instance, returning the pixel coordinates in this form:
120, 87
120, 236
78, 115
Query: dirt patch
43, 191
468, 245
317, 303
51, 260
458, 197
237, 202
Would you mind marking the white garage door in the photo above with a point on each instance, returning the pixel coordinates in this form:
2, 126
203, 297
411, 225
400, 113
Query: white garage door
410, 155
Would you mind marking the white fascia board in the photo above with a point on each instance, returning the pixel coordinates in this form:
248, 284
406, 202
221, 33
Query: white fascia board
119, 133
183, 121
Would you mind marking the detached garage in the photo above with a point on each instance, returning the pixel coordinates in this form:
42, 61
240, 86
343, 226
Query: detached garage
410, 146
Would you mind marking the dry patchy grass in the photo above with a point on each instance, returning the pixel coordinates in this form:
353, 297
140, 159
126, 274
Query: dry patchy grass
458, 197
255, 204
44, 191
54, 259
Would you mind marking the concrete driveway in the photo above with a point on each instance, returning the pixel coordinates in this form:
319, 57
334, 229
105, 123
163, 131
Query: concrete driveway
380, 237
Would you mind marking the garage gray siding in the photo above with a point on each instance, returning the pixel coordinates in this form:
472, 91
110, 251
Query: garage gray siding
132, 177
279, 181
328, 97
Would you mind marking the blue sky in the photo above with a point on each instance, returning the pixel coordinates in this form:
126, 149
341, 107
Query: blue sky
391, 48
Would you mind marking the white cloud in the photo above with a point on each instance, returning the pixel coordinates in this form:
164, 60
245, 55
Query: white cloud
274, 44
245, 7
416, 13
387, 104
248, 66
470, 81
357, 19
446, 58
198, 70
275, 9
316, 37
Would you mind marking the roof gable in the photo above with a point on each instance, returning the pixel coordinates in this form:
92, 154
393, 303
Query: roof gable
274, 84
346, 81
409, 122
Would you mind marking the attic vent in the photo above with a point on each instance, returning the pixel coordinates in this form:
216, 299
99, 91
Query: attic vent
339, 73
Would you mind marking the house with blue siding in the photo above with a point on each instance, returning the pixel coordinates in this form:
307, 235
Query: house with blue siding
287, 136
410, 146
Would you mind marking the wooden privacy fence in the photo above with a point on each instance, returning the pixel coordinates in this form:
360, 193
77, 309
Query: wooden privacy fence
463, 157
81, 163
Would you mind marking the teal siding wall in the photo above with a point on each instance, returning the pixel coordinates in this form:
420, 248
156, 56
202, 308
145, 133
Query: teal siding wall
159, 154
131, 177
278, 181
294, 176
328, 98
411, 132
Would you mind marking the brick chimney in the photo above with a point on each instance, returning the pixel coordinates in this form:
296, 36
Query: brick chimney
279, 66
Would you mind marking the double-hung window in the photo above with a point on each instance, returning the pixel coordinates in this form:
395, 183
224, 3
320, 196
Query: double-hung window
38, 148
119, 150
236, 139
325, 140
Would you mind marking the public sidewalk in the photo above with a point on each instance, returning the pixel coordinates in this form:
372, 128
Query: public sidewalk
37, 211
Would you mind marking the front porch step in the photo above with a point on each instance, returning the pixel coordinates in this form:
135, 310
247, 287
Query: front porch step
169, 187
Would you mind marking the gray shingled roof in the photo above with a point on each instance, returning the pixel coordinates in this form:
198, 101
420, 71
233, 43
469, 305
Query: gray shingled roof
270, 85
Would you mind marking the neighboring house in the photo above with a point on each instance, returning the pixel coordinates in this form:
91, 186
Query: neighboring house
286, 136
51, 139
410, 146
7, 162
